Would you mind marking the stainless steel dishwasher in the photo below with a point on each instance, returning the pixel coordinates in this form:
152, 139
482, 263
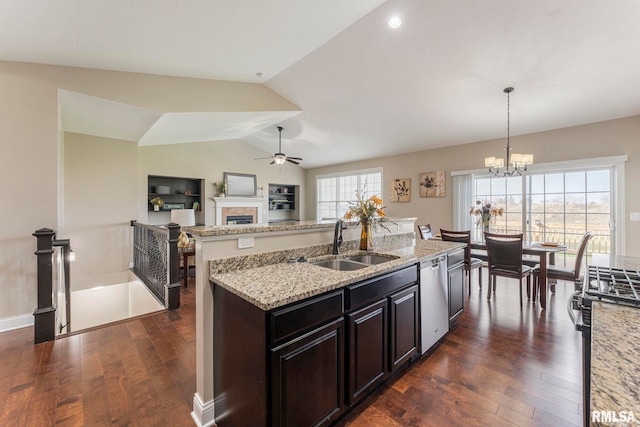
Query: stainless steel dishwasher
434, 301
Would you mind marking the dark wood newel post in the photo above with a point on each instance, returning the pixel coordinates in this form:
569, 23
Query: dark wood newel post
45, 314
173, 288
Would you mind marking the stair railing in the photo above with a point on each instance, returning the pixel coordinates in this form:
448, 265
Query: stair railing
155, 260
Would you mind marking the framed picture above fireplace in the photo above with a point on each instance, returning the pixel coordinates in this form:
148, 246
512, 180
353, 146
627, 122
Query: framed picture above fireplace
240, 184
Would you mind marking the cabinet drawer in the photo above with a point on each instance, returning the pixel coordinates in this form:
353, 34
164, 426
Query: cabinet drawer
369, 290
302, 316
455, 257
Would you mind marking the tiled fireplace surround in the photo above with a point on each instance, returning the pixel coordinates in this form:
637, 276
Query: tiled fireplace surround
254, 206
226, 212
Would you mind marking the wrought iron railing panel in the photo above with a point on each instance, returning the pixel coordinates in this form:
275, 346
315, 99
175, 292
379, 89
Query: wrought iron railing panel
150, 257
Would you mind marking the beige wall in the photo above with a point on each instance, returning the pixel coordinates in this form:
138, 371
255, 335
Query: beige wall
610, 138
30, 156
100, 200
209, 160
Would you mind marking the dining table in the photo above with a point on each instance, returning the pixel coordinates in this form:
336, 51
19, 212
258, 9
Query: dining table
546, 255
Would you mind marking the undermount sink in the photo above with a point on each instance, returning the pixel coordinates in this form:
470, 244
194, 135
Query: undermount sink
353, 262
340, 264
370, 259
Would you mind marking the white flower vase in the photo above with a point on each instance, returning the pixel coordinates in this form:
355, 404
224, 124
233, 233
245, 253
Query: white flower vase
156, 208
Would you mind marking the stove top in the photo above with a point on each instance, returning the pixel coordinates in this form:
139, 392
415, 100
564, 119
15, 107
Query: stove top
615, 285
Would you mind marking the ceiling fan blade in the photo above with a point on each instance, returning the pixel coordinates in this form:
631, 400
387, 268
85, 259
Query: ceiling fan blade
263, 158
292, 161
295, 158
272, 162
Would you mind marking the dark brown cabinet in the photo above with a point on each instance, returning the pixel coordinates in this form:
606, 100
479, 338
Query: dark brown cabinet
383, 335
307, 363
455, 274
307, 378
404, 326
368, 336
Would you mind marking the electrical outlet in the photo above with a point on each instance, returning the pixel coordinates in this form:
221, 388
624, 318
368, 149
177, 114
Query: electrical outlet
634, 216
130, 265
246, 242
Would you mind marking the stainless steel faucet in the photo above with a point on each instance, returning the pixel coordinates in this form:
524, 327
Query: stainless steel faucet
337, 236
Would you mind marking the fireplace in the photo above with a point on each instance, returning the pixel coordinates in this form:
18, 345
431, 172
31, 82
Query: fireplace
239, 219
230, 207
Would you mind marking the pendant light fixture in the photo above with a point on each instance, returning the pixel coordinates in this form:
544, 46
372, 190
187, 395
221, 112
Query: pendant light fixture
517, 161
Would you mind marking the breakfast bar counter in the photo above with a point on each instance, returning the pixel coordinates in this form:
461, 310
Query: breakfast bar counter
274, 285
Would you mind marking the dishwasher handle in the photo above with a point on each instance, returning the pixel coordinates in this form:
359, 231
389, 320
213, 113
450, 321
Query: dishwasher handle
435, 263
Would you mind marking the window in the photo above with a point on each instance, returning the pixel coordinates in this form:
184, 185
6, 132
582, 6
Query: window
553, 206
505, 193
562, 206
334, 192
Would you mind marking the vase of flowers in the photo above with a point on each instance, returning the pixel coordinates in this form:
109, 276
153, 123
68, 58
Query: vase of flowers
485, 213
370, 214
157, 203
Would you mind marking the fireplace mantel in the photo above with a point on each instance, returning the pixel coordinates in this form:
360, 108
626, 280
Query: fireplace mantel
258, 203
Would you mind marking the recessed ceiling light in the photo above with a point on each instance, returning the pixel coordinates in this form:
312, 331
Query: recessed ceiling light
395, 22
260, 75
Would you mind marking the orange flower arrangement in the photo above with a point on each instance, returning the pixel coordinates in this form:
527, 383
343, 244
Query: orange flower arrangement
369, 211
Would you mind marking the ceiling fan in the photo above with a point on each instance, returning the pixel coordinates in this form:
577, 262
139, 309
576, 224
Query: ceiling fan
279, 158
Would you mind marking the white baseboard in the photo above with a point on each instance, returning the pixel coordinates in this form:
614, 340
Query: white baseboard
203, 413
16, 322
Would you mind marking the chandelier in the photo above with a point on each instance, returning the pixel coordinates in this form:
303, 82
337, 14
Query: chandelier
517, 161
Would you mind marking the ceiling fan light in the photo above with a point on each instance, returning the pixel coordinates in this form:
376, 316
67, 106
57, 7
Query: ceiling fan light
279, 160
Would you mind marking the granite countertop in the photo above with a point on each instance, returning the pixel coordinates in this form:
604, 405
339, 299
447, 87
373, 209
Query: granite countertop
223, 230
272, 286
615, 345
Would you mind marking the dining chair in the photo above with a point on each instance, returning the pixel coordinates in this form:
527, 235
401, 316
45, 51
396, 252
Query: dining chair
425, 231
469, 262
564, 273
504, 253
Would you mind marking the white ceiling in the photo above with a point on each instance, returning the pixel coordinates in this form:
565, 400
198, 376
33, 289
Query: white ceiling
365, 89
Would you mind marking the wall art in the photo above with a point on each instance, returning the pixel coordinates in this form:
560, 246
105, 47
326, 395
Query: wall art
400, 190
432, 184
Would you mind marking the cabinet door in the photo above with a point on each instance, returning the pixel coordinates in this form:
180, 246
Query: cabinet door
456, 292
367, 338
308, 378
404, 326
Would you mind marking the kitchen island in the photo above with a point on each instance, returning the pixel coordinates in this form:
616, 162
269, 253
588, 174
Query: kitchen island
314, 341
218, 254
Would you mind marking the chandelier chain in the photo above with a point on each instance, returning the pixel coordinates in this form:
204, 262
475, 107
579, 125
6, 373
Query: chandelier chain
516, 163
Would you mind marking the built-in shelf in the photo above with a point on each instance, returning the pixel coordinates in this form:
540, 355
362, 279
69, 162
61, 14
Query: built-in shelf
282, 197
174, 196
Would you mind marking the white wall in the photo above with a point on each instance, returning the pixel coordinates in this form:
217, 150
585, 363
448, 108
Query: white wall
603, 139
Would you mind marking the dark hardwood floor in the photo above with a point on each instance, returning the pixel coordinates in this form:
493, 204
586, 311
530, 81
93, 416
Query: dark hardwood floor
500, 366
139, 372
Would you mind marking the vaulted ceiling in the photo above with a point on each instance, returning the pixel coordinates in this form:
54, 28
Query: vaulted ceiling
364, 88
